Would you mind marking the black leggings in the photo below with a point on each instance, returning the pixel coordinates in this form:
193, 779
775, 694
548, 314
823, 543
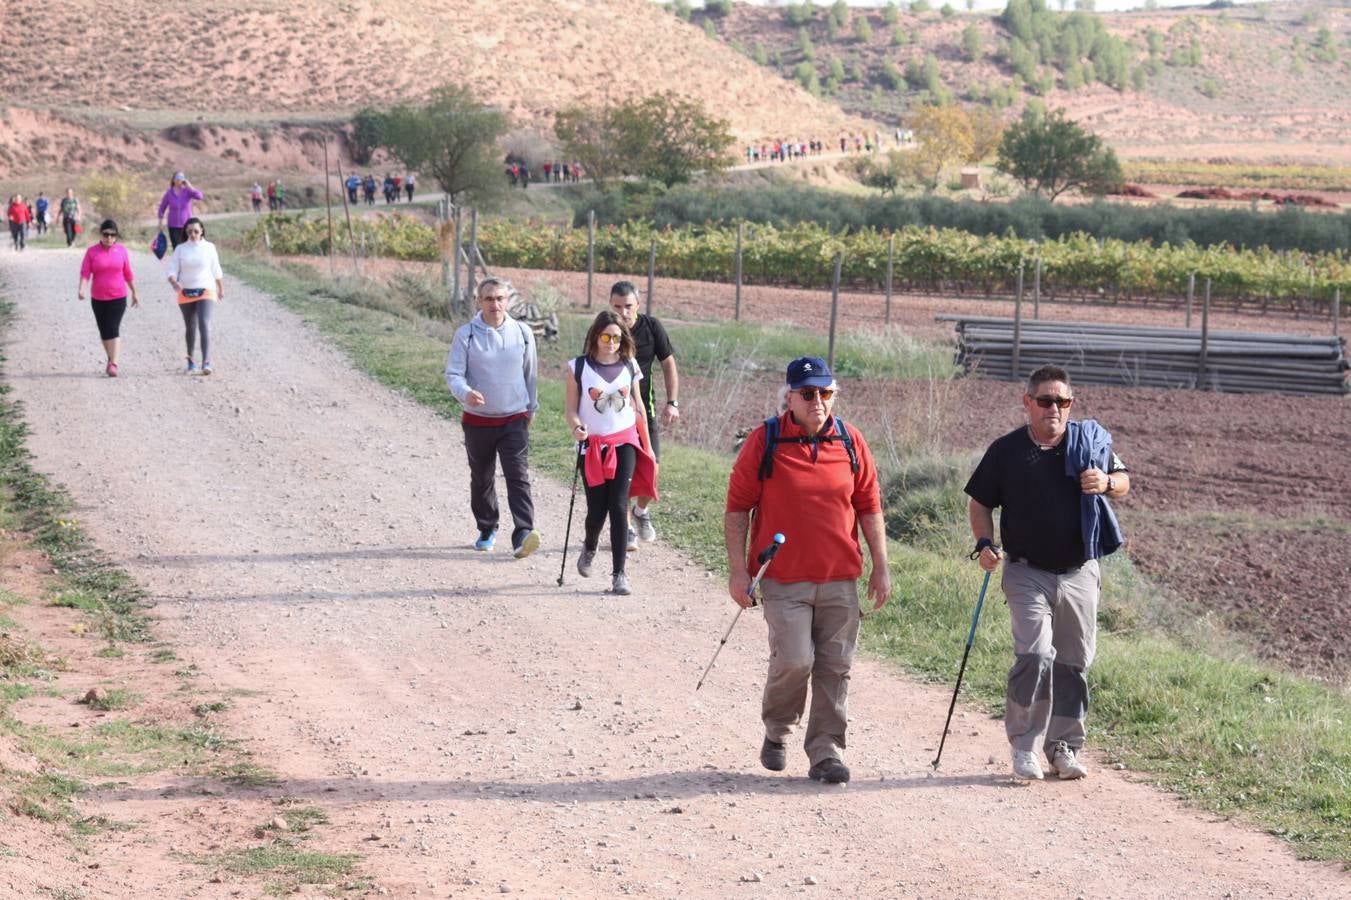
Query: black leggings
17, 234
612, 498
108, 314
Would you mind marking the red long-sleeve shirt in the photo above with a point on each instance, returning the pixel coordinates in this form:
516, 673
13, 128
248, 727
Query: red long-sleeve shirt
18, 214
814, 503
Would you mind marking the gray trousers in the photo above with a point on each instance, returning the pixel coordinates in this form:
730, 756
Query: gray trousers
1055, 626
812, 632
197, 318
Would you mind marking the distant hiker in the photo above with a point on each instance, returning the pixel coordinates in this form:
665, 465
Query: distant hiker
256, 197
387, 187
548, 171
40, 207
272, 196
177, 203
70, 215
19, 217
808, 475
525, 177
608, 421
195, 274
107, 270
494, 372
650, 343
409, 185
353, 184
280, 194
368, 188
1050, 479
576, 171
558, 172
567, 173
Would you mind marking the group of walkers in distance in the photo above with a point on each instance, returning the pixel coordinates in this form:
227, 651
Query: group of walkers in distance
783, 151
518, 172
193, 270
35, 216
807, 479
393, 187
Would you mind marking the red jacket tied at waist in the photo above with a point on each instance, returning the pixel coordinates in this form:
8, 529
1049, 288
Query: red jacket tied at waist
601, 468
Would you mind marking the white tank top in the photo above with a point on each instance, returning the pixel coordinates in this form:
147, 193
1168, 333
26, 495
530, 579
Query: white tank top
607, 406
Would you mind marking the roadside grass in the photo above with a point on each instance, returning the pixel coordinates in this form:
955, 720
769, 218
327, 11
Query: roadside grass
1174, 697
290, 867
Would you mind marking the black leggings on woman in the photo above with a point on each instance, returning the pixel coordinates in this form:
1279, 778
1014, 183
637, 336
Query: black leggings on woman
108, 314
612, 498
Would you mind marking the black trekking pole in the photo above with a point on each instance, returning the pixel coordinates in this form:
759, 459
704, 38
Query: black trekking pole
765, 558
567, 533
970, 637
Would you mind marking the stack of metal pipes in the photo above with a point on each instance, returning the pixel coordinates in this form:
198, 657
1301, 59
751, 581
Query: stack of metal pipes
1136, 356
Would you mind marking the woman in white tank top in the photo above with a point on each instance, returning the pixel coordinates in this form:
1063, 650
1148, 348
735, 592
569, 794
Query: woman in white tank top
608, 420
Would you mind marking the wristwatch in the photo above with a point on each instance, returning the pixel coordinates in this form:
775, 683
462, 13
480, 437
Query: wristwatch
675, 403
1111, 485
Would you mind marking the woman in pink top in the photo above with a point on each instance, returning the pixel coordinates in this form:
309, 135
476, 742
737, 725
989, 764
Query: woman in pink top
107, 267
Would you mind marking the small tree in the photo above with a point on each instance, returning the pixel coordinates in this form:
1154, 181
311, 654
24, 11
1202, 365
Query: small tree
368, 133
663, 137
972, 43
1048, 153
943, 137
453, 138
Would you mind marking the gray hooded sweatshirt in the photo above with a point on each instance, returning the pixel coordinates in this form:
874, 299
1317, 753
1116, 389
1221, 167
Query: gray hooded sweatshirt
499, 363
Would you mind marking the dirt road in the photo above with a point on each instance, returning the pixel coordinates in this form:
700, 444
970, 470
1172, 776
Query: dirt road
471, 728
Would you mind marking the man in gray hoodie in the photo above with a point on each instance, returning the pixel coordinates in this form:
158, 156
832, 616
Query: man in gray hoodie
494, 373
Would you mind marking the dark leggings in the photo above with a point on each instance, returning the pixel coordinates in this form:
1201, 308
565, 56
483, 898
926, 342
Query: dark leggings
176, 236
611, 498
197, 317
108, 314
69, 226
16, 234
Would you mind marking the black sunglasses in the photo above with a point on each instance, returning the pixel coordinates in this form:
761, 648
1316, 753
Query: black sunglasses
1046, 401
111, 234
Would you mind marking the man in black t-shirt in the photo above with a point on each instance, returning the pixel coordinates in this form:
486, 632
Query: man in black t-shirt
650, 343
1051, 576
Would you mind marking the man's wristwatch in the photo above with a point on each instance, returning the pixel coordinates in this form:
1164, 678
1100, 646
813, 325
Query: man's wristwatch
1111, 485
675, 403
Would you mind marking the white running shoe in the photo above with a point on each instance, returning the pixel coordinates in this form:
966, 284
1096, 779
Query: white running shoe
1026, 765
1066, 762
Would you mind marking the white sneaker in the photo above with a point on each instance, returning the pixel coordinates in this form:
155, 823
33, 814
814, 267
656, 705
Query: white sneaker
1026, 765
633, 541
1066, 763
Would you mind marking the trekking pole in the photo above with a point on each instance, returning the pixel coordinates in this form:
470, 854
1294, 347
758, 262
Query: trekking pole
970, 637
567, 533
765, 558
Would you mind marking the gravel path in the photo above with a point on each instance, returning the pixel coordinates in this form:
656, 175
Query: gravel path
471, 727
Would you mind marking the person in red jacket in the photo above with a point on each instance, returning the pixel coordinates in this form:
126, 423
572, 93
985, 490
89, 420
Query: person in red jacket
19, 217
810, 476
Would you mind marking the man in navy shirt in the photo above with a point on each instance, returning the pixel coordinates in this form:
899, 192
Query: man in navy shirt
1050, 480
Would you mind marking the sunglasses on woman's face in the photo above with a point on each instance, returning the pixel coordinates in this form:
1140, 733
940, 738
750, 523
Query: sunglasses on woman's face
108, 234
810, 394
611, 338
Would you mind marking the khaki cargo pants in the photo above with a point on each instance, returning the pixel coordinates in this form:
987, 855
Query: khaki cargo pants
812, 632
1055, 625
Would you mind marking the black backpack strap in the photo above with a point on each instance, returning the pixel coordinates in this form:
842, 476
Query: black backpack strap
771, 439
577, 370
848, 444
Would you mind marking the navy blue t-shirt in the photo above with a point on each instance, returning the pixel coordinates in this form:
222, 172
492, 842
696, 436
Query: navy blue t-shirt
1040, 513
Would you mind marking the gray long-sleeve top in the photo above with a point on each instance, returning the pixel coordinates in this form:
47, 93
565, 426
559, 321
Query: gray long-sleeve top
500, 363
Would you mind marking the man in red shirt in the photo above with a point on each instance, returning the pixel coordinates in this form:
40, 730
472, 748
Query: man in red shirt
817, 484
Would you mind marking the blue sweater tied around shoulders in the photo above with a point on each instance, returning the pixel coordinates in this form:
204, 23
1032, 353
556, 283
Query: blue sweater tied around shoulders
1089, 446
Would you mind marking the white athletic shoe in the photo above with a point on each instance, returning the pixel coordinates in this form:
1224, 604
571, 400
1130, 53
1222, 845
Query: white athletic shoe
1026, 765
1066, 762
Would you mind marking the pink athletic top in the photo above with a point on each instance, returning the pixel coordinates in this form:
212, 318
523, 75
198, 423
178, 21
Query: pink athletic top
110, 268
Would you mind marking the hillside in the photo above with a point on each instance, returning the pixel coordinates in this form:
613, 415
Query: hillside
1265, 82
83, 100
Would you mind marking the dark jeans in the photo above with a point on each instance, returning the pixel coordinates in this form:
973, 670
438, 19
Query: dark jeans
611, 498
176, 236
17, 233
69, 226
485, 445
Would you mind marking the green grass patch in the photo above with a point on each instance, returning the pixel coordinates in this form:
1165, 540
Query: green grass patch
293, 867
164, 655
112, 699
1166, 701
202, 710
